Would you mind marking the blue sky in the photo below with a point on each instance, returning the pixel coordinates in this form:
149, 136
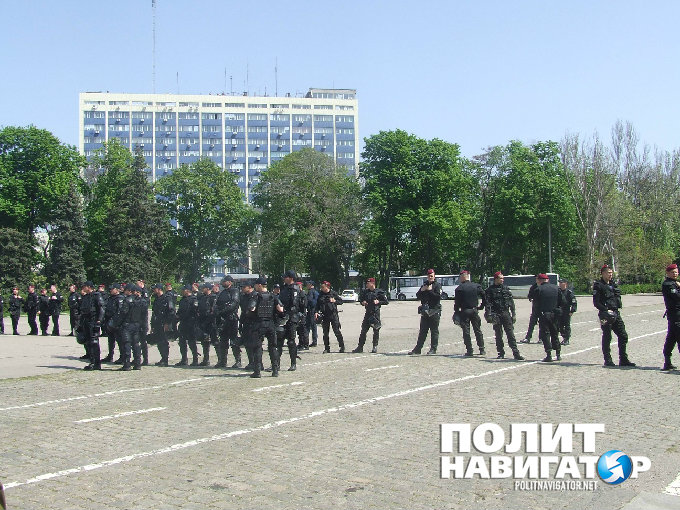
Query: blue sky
472, 73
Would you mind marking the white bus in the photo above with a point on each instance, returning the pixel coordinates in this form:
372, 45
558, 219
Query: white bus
402, 288
519, 283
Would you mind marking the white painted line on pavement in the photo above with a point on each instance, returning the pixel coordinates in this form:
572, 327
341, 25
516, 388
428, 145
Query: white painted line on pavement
287, 421
594, 329
120, 415
296, 383
674, 487
380, 368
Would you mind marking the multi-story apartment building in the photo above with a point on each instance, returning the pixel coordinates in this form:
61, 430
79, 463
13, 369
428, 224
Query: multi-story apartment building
242, 134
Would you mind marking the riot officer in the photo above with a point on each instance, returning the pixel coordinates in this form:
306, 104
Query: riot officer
327, 310
500, 311
129, 322
533, 318
91, 316
371, 299
548, 299
246, 322
187, 313
206, 318
162, 320
144, 324
290, 299
43, 311
73, 307
303, 339
113, 324
312, 297
172, 295
670, 289
262, 308
16, 303
568, 308
214, 334
467, 298
226, 314
31, 309
54, 308
430, 310
607, 300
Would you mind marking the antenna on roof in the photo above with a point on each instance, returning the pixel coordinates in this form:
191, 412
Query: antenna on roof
276, 77
153, 56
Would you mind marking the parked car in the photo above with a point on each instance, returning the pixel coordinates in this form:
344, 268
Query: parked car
349, 295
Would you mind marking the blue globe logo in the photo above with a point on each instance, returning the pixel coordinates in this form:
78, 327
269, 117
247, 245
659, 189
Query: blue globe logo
614, 467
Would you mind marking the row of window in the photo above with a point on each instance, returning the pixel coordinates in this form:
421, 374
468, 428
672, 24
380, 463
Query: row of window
164, 117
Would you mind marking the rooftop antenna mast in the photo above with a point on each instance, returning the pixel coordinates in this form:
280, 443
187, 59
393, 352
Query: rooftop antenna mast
153, 56
276, 77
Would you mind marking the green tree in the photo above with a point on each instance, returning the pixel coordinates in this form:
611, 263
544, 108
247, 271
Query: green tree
212, 218
309, 215
17, 257
36, 173
65, 264
127, 228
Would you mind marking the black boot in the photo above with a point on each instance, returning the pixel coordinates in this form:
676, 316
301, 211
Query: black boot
236, 352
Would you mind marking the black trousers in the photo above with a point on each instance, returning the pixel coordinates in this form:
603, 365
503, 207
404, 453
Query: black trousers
533, 320
91, 335
619, 329
55, 323
310, 325
162, 340
31, 316
366, 324
228, 337
187, 336
326, 325
565, 325
548, 332
672, 339
15, 323
130, 334
73, 319
428, 324
505, 323
260, 331
471, 316
115, 337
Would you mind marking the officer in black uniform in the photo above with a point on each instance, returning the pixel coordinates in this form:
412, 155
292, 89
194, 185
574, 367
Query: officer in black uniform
607, 300
467, 298
105, 298
172, 296
129, 323
548, 299
54, 308
500, 311
214, 334
327, 308
226, 313
568, 309
162, 321
91, 316
263, 307
73, 307
289, 299
312, 296
206, 318
371, 299
303, 338
31, 309
187, 313
16, 303
113, 325
144, 324
246, 322
430, 310
2, 315
533, 318
43, 311
670, 289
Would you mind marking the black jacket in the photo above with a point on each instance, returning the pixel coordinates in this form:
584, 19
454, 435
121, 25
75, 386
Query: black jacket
548, 297
606, 296
499, 299
569, 303
467, 295
431, 296
324, 305
671, 298
54, 306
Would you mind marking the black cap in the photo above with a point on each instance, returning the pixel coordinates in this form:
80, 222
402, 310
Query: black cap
115, 286
311, 282
187, 287
131, 287
158, 286
564, 280
227, 278
277, 286
290, 274
207, 285
261, 280
88, 283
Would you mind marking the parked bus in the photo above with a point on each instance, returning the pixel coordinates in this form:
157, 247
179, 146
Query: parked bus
402, 288
519, 283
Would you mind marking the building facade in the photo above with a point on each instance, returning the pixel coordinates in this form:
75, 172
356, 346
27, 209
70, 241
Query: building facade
242, 134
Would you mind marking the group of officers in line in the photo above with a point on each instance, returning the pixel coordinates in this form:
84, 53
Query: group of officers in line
226, 318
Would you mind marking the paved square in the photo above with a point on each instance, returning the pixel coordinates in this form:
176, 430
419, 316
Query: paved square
343, 431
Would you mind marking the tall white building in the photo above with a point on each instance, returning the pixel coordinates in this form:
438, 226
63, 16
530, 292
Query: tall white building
242, 134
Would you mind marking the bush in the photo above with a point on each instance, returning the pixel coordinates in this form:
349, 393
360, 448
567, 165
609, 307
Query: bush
640, 288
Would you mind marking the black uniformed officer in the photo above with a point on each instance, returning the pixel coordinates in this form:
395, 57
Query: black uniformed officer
262, 308
226, 313
187, 313
303, 338
430, 309
246, 322
101, 288
533, 318
73, 307
91, 317
548, 299
43, 311
16, 303
113, 323
289, 299
2, 315
31, 309
568, 309
327, 307
54, 308
371, 299
144, 324
126, 320
162, 321
206, 318
607, 300
312, 296
172, 296
500, 311
467, 298
670, 289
